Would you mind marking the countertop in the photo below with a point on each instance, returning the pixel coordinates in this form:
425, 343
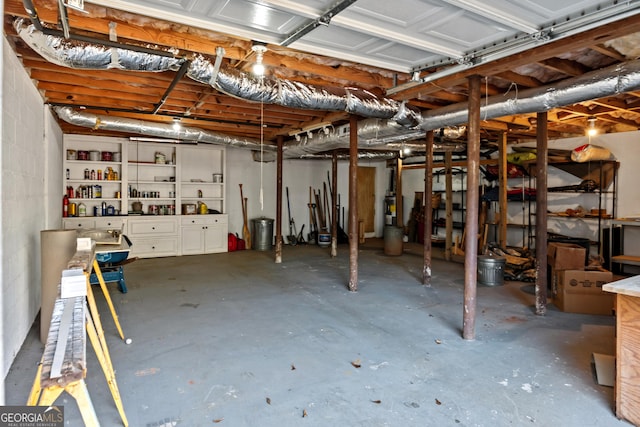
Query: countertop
629, 286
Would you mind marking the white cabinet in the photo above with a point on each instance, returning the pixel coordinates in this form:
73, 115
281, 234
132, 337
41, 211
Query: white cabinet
93, 174
203, 234
202, 171
140, 186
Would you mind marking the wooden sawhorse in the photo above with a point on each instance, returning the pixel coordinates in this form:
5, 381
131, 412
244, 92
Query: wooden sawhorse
63, 364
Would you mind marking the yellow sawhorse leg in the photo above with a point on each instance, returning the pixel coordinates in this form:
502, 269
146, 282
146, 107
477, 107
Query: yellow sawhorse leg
77, 389
95, 316
107, 367
105, 291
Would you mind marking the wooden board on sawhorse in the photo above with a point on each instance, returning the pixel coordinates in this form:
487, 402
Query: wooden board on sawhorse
63, 364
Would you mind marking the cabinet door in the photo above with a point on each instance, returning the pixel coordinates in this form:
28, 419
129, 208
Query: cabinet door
215, 238
193, 240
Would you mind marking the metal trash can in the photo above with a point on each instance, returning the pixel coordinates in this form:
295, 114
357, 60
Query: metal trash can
491, 270
393, 240
262, 234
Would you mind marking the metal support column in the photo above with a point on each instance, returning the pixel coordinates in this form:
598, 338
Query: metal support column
353, 203
448, 201
541, 213
280, 143
473, 198
502, 188
334, 204
428, 209
399, 206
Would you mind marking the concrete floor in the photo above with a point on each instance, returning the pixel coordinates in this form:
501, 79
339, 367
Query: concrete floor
234, 339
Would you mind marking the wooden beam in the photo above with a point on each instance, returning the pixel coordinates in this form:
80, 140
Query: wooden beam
502, 188
565, 66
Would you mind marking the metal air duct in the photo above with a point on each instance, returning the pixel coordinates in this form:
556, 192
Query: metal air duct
160, 130
609, 81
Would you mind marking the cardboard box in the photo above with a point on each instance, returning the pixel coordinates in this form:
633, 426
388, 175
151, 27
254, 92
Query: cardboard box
580, 291
566, 256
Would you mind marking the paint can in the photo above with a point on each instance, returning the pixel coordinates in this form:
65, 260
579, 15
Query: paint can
324, 239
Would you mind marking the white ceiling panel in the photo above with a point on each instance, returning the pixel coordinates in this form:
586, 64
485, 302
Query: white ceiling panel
258, 16
400, 34
468, 31
395, 55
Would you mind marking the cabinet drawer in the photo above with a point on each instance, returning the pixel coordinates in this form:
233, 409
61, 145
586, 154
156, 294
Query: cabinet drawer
77, 223
111, 223
154, 226
203, 219
151, 247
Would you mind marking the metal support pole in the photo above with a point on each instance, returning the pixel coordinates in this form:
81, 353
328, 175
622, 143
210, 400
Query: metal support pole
353, 203
428, 209
334, 204
448, 203
473, 199
399, 206
502, 188
280, 143
541, 213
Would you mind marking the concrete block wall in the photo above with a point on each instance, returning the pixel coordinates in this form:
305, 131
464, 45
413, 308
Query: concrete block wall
298, 175
27, 202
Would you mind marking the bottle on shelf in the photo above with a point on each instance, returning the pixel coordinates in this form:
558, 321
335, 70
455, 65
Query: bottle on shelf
65, 206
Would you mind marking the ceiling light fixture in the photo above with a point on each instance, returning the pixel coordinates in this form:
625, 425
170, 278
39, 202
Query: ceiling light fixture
258, 67
592, 131
176, 123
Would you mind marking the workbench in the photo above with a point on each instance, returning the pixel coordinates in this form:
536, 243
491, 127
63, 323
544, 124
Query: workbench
627, 384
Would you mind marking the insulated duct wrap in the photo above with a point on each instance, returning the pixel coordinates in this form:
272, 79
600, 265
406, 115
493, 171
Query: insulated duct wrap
290, 93
75, 54
95, 121
609, 81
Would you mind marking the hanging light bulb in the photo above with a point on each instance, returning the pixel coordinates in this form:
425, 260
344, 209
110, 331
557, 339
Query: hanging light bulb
258, 67
592, 131
176, 123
